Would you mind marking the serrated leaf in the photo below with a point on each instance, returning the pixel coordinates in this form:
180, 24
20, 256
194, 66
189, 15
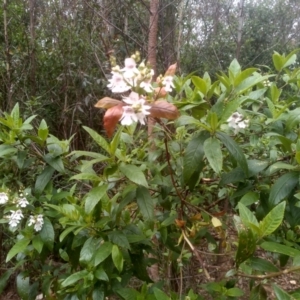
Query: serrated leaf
164, 109
43, 179
98, 139
102, 253
283, 187
134, 174
107, 102
47, 234
234, 149
272, 220
74, 278
93, 197
117, 258
23, 285
213, 153
193, 155
278, 248
145, 203
18, 247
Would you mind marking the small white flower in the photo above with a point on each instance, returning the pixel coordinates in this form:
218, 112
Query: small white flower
37, 221
117, 83
236, 122
168, 83
22, 202
3, 198
128, 116
147, 86
130, 70
15, 218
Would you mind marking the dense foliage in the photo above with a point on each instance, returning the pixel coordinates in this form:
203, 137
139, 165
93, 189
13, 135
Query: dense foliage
87, 225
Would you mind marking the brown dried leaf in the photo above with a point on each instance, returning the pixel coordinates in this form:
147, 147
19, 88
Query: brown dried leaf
107, 102
111, 118
164, 109
171, 70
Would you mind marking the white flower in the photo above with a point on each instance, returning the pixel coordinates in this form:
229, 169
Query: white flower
117, 83
22, 202
236, 122
15, 218
168, 83
136, 111
130, 70
3, 198
147, 86
37, 221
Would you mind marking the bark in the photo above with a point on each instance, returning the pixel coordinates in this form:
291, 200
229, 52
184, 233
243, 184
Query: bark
152, 38
32, 8
240, 29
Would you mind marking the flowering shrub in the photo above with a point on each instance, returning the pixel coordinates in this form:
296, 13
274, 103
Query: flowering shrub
94, 222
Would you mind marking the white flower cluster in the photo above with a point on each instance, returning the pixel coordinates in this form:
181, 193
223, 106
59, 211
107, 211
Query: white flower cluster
236, 122
37, 221
3, 198
138, 79
16, 216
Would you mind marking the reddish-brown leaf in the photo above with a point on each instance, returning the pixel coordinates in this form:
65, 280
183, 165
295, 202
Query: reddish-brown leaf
171, 70
160, 92
107, 102
164, 109
111, 118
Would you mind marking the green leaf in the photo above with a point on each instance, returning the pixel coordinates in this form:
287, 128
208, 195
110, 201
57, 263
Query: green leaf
261, 265
47, 234
134, 174
293, 118
18, 247
258, 293
212, 120
86, 176
256, 166
272, 220
74, 278
200, 84
43, 179
119, 238
117, 258
101, 274
66, 232
278, 248
87, 251
235, 68
243, 75
247, 216
160, 295
98, 139
37, 243
278, 61
283, 187
213, 153
43, 131
129, 294
93, 197
116, 140
234, 149
145, 203
55, 162
249, 198
193, 155
246, 246
23, 285
102, 253
234, 292
4, 279
281, 294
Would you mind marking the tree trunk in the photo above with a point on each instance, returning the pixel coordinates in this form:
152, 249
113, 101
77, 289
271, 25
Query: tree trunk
240, 28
